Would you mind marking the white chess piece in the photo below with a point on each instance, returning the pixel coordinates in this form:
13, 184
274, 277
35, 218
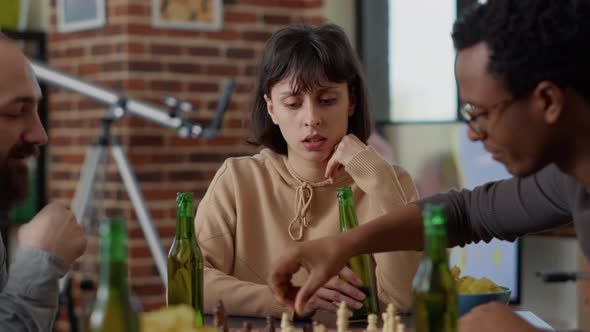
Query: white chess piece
372, 323
385, 322
391, 309
319, 328
342, 316
285, 322
391, 322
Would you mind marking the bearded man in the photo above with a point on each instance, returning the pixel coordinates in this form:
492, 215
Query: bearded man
48, 244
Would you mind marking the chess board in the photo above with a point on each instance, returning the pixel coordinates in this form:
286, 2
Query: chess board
389, 322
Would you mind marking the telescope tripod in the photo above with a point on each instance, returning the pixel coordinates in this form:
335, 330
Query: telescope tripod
95, 156
85, 189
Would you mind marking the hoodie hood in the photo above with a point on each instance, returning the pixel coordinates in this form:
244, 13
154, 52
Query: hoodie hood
303, 190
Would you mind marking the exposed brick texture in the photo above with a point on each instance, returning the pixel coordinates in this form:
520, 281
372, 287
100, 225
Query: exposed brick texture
129, 55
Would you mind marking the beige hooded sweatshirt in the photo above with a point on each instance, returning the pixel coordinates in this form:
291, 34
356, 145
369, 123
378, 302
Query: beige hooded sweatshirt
257, 206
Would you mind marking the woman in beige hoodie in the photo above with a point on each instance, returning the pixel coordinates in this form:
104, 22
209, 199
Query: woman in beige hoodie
310, 113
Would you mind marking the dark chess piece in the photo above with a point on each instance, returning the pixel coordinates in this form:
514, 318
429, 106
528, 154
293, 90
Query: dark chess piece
307, 328
270, 324
220, 317
247, 327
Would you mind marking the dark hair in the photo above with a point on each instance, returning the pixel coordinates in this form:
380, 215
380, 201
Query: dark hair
531, 41
311, 55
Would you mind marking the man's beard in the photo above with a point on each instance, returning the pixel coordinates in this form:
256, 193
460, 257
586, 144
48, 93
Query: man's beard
14, 179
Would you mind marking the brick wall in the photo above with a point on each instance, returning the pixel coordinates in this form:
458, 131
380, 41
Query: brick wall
129, 55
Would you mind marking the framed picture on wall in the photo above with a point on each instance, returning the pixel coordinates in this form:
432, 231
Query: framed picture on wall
206, 15
78, 15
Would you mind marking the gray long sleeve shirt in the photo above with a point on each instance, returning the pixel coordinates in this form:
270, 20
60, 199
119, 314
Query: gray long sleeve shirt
510, 208
28, 294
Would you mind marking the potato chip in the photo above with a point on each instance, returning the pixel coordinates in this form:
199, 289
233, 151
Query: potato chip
179, 318
471, 285
455, 272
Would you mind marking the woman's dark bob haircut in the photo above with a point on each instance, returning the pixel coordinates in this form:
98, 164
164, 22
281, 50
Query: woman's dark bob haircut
310, 55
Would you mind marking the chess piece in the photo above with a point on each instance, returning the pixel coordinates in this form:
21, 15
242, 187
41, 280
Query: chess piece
401, 327
285, 322
307, 328
219, 317
317, 327
270, 324
391, 326
391, 309
247, 327
372, 323
386, 323
342, 316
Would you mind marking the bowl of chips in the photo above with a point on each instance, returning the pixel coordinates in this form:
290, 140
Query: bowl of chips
473, 291
180, 318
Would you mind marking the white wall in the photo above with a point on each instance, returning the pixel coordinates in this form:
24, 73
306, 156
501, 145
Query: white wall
38, 15
342, 13
556, 303
414, 144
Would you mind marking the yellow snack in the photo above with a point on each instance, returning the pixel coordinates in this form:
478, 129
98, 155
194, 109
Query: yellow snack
464, 284
484, 285
470, 285
179, 318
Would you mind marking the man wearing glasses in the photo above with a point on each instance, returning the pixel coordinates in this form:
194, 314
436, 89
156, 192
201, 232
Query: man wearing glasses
523, 71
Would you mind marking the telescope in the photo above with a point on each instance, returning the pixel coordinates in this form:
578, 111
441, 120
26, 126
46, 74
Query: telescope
122, 105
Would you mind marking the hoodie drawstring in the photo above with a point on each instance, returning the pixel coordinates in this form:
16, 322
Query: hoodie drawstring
302, 204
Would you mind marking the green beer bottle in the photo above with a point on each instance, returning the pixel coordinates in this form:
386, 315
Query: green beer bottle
185, 262
112, 309
435, 293
361, 265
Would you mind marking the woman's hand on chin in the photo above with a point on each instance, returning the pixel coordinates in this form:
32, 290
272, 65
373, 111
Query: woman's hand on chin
348, 147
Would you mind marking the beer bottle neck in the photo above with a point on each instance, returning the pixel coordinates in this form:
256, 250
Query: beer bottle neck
435, 243
347, 218
113, 276
113, 266
346, 209
184, 221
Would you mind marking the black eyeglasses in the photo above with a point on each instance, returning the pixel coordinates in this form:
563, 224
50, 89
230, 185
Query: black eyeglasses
469, 113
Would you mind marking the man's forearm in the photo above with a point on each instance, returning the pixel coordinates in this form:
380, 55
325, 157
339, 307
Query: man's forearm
28, 302
17, 314
400, 229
